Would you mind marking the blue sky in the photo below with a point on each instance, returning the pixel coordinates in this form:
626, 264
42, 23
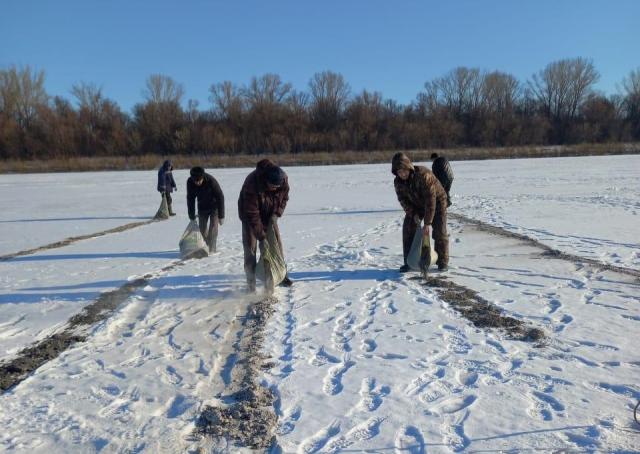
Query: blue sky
390, 46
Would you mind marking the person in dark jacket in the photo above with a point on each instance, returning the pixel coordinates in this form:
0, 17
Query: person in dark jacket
263, 198
442, 170
423, 198
206, 190
166, 183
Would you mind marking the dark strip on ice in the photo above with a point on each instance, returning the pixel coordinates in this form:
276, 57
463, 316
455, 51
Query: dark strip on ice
246, 415
547, 250
31, 358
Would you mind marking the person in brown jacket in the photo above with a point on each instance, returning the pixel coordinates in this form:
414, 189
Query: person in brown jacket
423, 198
263, 198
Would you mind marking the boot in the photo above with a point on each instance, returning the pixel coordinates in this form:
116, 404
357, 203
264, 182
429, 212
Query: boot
286, 282
171, 213
404, 268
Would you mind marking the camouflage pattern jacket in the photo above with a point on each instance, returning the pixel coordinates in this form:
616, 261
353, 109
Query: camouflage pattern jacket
421, 193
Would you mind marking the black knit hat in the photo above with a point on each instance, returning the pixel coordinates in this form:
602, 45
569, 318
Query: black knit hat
275, 176
197, 172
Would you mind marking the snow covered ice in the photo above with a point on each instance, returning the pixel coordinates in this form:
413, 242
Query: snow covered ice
360, 357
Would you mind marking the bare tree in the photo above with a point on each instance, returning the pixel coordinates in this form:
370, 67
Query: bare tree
501, 92
160, 121
22, 93
631, 87
227, 101
459, 90
563, 86
162, 89
501, 96
87, 95
329, 96
266, 91
631, 83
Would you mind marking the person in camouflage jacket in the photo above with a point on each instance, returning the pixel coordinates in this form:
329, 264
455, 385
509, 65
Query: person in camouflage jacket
423, 198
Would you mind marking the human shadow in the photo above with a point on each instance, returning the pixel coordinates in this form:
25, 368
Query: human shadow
345, 275
86, 218
31, 298
342, 213
111, 255
171, 287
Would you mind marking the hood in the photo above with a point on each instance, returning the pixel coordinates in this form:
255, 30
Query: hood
401, 161
167, 164
262, 167
264, 164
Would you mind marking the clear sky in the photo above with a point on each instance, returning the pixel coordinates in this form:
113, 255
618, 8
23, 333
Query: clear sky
390, 46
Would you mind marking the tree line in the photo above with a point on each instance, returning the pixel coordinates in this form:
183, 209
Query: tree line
465, 107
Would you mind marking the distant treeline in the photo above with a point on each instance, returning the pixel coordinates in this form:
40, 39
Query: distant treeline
466, 107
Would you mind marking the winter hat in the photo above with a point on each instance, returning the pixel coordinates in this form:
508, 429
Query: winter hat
401, 161
275, 176
197, 172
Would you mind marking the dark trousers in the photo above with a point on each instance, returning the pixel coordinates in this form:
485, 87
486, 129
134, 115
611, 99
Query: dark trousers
208, 224
438, 233
447, 188
167, 195
250, 246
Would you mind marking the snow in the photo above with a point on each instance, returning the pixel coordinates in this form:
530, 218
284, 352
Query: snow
364, 359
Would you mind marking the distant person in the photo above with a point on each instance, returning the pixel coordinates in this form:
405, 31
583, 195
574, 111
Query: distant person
206, 190
166, 183
262, 201
423, 198
444, 174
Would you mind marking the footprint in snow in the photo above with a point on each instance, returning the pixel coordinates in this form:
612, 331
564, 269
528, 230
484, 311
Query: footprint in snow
466, 377
419, 384
497, 346
287, 423
169, 375
456, 341
409, 440
389, 308
321, 357
333, 381
542, 406
452, 405
370, 395
363, 431
368, 345
317, 441
453, 430
436, 390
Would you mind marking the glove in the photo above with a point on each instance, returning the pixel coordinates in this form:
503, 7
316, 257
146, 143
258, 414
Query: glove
261, 236
175, 188
221, 221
